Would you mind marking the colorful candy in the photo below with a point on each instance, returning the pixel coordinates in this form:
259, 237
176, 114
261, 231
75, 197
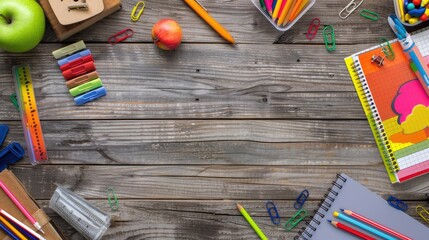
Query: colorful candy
416, 11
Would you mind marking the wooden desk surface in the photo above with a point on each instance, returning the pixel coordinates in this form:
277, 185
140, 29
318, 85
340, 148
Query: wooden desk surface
184, 135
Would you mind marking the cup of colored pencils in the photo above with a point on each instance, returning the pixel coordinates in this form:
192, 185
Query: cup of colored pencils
283, 14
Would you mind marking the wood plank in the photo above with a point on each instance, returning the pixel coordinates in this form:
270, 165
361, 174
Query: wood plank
144, 83
208, 182
194, 219
244, 22
249, 142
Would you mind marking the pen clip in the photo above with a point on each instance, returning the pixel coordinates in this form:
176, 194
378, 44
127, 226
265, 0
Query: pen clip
201, 5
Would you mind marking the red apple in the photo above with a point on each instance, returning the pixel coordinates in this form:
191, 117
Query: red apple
167, 34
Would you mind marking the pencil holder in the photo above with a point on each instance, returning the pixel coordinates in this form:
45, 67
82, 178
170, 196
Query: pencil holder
286, 27
415, 22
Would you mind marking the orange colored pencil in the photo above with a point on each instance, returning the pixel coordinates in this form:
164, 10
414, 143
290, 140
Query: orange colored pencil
295, 9
285, 21
285, 12
297, 12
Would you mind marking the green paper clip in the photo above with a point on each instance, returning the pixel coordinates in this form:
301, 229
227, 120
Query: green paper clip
14, 101
369, 15
329, 38
113, 200
298, 217
387, 49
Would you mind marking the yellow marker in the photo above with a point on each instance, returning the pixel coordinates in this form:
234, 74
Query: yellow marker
251, 222
286, 9
295, 14
277, 9
12, 228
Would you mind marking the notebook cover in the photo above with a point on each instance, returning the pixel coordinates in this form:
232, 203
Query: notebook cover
16, 187
402, 105
348, 194
65, 31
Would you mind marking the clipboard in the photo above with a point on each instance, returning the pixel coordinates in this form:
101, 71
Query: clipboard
67, 15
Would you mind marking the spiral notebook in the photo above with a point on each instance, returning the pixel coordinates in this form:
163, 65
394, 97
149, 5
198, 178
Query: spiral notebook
346, 193
396, 106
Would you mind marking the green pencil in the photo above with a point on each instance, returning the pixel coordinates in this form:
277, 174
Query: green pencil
251, 222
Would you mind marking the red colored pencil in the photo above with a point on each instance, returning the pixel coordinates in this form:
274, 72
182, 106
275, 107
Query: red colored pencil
351, 230
376, 225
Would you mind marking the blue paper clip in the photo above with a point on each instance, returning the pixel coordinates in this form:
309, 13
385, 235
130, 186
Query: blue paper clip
272, 211
4, 129
398, 204
297, 218
90, 96
301, 199
11, 154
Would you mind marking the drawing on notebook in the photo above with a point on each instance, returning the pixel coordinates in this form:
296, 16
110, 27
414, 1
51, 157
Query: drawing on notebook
397, 108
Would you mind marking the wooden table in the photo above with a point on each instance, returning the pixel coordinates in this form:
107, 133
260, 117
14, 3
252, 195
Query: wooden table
184, 135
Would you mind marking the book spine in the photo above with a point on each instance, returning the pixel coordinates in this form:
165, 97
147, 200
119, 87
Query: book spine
375, 121
307, 232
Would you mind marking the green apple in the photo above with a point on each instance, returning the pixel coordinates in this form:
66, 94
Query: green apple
22, 25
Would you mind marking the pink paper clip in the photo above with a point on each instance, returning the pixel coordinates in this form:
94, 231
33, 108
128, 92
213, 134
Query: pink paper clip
120, 36
313, 28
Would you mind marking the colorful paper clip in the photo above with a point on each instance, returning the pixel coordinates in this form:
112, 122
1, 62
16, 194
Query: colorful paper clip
272, 211
14, 101
396, 203
300, 200
120, 36
423, 213
313, 28
351, 7
135, 17
387, 49
297, 218
369, 15
329, 38
112, 199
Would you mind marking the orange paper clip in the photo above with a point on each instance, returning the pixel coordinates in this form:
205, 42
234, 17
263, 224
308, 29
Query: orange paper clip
313, 28
135, 17
120, 36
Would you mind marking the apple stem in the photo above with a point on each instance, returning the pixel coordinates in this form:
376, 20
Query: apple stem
7, 19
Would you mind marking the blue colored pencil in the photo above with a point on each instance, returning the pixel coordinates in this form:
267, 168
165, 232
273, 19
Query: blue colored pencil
363, 226
8, 232
274, 4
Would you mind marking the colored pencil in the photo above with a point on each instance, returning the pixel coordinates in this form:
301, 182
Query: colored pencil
251, 222
294, 10
263, 5
8, 232
20, 206
12, 228
363, 226
277, 9
282, 7
285, 12
269, 6
285, 21
351, 230
22, 225
295, 14
375, 224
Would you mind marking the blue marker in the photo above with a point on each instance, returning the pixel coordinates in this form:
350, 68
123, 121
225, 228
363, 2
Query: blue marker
410, 47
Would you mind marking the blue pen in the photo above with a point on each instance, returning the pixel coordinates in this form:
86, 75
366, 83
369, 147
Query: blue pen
410, 47
8, 231
363, 226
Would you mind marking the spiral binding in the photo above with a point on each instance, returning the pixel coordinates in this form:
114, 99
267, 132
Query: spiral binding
376, 120
306, 232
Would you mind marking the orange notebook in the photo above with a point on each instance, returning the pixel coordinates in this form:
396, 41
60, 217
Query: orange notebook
396, 106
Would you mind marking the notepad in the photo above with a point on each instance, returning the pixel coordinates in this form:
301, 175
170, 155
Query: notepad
396, 107
346, 193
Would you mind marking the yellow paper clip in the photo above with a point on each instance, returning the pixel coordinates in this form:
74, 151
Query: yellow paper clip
423, 213
135, 17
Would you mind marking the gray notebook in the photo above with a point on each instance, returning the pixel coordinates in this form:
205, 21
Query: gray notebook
346, 193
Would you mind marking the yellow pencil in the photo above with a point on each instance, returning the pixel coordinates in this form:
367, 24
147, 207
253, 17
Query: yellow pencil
251, 222
286, 20
12, 228
298, 11
285, 12
195, 5
277, 9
